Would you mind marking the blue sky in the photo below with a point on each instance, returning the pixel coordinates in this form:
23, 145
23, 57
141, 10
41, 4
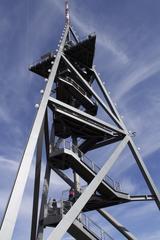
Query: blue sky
128, 58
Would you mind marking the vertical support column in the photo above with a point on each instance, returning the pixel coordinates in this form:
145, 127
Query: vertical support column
52, 137
43, 209
76, 176
37, 184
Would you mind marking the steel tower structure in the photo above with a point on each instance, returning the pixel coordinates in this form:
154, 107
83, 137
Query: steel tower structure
75, 130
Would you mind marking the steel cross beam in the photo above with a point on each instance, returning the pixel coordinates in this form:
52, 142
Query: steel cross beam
85, 116
132, 146
125, 232
105, 107
104, 143
135, 198
68, 219
10, 216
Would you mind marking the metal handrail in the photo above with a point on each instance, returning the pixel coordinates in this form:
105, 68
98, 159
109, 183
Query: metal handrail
70, 80
39, 61
87, 222
81, 40
68, 145
94, 228
80, 89
87, 37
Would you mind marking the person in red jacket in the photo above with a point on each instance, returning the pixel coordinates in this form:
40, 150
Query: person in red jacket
72, 195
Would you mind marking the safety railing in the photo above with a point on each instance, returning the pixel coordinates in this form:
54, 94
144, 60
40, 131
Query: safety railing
88, 223
84, 38
44, 58
71, 44
52, 53
94, 228
80, 89
68, 145
70, 80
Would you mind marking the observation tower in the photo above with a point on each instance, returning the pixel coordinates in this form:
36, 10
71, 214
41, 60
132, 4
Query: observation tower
68, 125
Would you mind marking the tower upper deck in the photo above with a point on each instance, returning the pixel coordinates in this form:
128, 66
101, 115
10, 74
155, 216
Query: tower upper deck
81, 52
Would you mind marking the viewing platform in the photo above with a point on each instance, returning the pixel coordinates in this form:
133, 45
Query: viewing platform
82, 52
82, 228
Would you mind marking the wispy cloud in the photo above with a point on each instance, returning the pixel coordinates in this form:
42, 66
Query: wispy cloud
4, 116
129, 213
155, 236
128, 185
8, 164
105, 40
136, 76
108, 43
11, 165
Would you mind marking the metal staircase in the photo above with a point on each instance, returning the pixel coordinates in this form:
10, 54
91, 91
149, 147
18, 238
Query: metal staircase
83, 227
67, 155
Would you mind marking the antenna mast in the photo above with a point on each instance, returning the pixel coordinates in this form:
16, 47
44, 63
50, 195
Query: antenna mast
67, 15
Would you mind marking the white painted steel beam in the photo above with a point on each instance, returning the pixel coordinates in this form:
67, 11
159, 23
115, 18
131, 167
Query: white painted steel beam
46, 182
15, 200
88, 118
107, 97
142, 198
37, 178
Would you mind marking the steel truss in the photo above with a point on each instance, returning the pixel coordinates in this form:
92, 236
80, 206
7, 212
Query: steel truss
95, 133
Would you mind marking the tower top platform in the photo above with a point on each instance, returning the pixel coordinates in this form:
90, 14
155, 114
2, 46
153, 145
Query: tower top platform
81, 52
